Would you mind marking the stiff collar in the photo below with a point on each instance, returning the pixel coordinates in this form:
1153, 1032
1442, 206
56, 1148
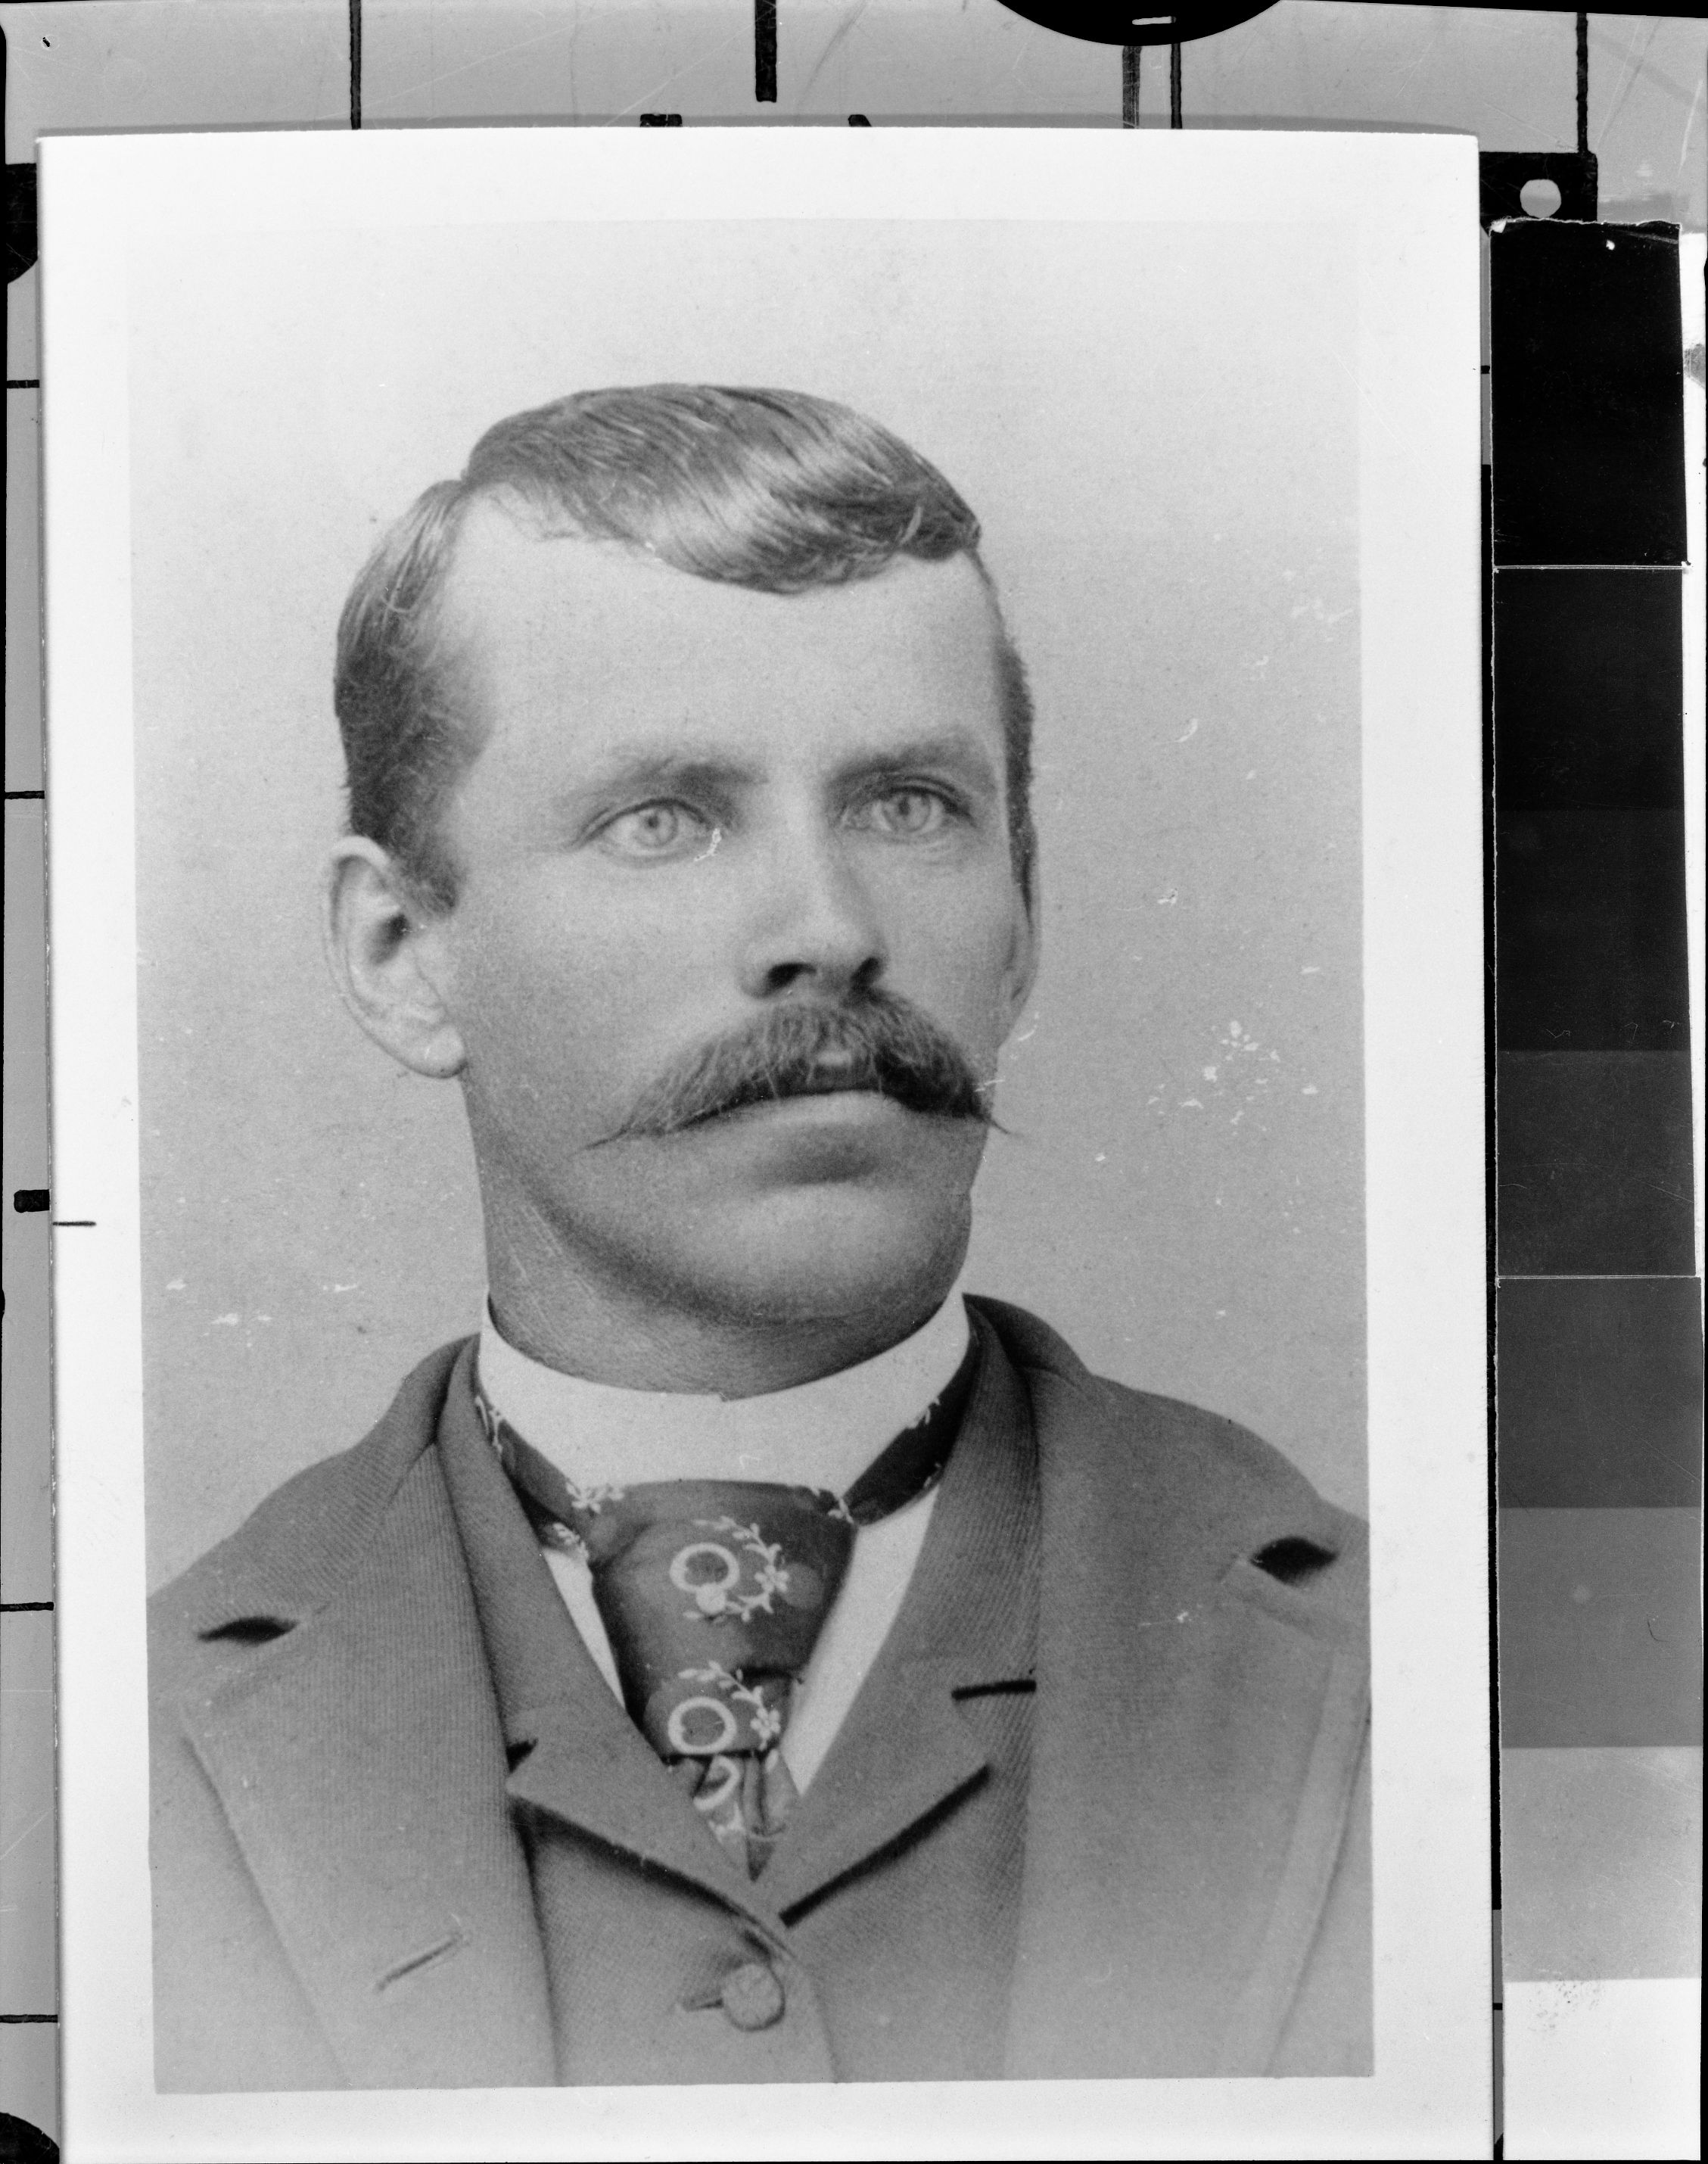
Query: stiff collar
818, 1435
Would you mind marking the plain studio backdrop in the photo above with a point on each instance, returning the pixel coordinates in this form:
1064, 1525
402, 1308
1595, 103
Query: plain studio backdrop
1157, 426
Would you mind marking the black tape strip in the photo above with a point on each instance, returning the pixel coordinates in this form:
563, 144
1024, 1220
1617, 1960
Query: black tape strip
1505, 175
1586, 389
765, 52
1592, 1131
20, 220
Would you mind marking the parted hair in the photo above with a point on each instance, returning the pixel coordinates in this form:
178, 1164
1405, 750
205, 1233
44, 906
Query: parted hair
773, 489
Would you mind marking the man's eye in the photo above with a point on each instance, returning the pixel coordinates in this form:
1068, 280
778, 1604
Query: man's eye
908, 812
654, 830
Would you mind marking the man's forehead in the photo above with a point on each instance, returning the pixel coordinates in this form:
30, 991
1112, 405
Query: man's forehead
539, 614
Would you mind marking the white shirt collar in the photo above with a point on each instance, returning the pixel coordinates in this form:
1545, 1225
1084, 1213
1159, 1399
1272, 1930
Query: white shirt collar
818, 1434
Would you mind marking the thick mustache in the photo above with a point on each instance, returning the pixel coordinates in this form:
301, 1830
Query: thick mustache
883, 1044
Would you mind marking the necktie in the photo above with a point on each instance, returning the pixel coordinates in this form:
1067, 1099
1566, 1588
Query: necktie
713, 1593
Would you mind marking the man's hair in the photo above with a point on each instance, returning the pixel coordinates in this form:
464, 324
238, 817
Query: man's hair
772, 490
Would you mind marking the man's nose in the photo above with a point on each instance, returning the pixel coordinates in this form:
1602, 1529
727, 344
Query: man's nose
814, 925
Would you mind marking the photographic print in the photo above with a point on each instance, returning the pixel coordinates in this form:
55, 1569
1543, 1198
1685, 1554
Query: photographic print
769, 970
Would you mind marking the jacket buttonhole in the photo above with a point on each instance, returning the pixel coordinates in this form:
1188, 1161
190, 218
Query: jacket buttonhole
1292, 1560
248, 1631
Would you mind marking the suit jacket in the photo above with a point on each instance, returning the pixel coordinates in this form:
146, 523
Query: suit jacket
363, 1721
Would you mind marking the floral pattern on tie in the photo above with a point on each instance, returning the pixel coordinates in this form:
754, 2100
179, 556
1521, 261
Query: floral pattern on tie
713, 1593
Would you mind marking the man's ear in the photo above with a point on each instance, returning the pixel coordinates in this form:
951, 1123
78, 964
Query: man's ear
386, 958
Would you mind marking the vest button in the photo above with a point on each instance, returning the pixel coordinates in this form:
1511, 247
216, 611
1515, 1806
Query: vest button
752, 1996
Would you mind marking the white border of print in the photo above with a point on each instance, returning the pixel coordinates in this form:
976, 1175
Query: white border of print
1407, 207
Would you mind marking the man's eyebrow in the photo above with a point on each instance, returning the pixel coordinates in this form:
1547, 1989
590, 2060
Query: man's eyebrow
673, 767
964, 748
662, 769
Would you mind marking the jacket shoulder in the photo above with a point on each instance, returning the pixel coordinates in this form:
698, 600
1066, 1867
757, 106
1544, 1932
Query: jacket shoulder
299, 1544
1219, 1491
217, 1941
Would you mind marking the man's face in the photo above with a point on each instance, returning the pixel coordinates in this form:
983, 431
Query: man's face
697, 804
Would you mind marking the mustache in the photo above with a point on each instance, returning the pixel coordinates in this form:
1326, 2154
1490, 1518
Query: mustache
881, 1042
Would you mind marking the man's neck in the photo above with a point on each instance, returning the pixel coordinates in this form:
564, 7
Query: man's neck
822, 1434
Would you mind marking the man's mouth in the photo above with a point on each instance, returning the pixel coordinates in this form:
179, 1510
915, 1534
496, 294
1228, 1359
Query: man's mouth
838, 1079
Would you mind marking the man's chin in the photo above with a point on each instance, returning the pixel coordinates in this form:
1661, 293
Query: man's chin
822, 1230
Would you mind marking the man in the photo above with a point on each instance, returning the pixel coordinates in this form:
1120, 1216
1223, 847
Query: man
747, 1659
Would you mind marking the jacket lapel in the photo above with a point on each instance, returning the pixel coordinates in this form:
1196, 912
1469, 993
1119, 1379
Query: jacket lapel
360, 1763
1198, 1732
967, 1623
577, 1756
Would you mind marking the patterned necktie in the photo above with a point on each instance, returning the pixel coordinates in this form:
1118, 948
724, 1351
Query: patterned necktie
713, 1593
